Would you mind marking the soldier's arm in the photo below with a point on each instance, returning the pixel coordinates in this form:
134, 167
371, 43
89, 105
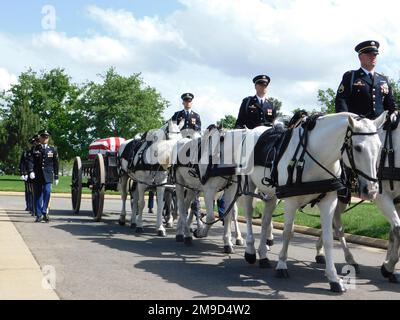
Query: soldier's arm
197, 126
175, 117
389, 102
242, 115
22, 164
55, 164
343, 94
30, 161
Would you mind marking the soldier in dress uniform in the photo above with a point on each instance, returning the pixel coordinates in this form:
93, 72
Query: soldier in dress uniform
364, 91
257, 110
191, 119
43, 170
192, 123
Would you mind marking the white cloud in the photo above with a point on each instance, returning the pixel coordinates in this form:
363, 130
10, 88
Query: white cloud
214, 48
6, 79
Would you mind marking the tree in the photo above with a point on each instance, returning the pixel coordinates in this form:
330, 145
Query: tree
123, 106
228, 122
326, 99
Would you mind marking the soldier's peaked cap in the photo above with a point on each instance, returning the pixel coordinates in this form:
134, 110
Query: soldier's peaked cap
262, 78
44, 132
187, 96
367, 46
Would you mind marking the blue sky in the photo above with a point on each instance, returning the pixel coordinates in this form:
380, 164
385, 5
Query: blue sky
24, 17
212, 48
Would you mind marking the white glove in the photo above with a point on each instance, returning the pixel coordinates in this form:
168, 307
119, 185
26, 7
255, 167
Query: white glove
56, 182
32, 175
26, 178
23, 177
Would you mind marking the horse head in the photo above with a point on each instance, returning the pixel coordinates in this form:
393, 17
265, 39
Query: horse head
362, 146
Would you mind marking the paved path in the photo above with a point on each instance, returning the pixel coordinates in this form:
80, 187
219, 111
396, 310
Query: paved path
106, 261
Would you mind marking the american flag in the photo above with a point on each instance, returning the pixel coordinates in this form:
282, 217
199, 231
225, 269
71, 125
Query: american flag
104, 145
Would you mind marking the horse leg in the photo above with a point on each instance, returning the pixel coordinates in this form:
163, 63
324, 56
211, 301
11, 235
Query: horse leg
161, 232
238, 234
189, 198
229, 196
290, 211
269, 235
124, 195
386, 205
250, 251
209, 202
269, 207
327, 208
141, 188
182, 213
134, 206
339, 232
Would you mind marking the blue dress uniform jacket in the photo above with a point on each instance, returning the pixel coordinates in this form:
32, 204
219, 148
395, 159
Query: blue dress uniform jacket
44, 162
252, 114
192, 121
360, 94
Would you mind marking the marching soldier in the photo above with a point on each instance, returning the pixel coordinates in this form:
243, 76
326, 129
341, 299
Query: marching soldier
23, 171
191, 119
43, 170
364, 91
257, 110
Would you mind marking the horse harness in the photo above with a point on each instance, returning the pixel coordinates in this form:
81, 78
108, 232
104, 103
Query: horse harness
388, 173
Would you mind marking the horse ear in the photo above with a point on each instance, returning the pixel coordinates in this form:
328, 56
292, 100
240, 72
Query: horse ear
380, 120
352, 123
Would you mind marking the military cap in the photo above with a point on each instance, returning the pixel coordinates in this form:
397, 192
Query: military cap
262, 78
367, 46
187, 96
44, 132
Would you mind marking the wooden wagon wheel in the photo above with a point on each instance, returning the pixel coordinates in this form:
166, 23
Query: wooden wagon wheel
76, 185
98, 187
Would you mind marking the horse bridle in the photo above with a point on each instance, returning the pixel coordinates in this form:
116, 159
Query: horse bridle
348, 147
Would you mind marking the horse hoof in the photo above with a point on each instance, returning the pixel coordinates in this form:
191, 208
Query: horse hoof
179, 238
239, 242
133, 226
282, 274
250, 258
139, 230
196, 234
188, 241
337, 287
385, 273
121, 223
228, 250
162, 233
265, 264
320, 259
270, 243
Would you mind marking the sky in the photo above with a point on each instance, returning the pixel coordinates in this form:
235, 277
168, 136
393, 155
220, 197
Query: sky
212, 48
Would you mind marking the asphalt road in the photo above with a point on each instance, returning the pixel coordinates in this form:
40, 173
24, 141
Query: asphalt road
106, 261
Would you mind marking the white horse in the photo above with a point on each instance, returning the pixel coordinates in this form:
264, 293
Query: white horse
387, 204
189, 184
147, 169
325, 144
231, 150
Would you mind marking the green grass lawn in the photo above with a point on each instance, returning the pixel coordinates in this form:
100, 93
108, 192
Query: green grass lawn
14, 183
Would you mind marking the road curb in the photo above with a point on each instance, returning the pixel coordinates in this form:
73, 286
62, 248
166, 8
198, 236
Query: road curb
58, 195
351, 238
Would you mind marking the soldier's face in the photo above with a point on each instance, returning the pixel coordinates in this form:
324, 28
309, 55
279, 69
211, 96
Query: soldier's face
187, 104
368, 60
44, 139
261, 89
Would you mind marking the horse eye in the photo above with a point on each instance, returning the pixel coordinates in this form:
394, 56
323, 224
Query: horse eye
358, 148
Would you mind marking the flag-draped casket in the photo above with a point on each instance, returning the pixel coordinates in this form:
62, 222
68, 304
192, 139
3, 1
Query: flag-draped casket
104, 145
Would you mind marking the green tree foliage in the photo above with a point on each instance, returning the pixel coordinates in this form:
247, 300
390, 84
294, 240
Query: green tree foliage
326, 99
228, 122
75, 114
